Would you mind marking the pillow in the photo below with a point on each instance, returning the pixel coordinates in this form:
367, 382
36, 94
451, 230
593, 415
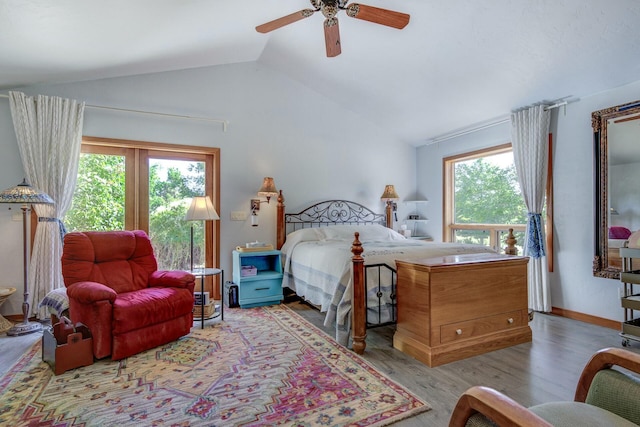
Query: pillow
302, 235
368, 232
617, 232
634, 240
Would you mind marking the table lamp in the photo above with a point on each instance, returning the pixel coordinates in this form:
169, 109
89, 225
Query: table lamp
390, 197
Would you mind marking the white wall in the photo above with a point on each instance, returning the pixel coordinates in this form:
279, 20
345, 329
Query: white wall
313, 148
316, 150
573, 286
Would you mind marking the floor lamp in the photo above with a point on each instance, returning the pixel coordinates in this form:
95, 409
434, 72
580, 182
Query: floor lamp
201, 209
26, 195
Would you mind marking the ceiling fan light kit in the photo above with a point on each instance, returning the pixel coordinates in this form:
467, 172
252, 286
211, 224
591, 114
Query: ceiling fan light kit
330, 9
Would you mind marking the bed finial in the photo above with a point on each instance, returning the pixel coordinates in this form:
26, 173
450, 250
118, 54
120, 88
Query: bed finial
358, 308
511, 241
356, 246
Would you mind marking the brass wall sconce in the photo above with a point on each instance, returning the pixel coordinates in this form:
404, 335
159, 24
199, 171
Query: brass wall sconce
268, 190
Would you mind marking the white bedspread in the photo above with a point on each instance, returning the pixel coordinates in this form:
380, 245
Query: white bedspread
321, 272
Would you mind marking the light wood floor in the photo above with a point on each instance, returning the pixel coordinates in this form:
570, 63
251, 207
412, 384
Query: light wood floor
547, 369
544, 370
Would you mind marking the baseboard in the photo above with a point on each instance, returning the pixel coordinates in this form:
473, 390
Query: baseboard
587, 318
18, 318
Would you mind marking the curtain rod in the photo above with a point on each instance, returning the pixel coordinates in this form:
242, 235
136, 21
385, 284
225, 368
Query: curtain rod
556, 105
452, 135
225, 123
483, 126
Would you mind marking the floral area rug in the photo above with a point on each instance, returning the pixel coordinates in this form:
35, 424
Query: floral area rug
259, 367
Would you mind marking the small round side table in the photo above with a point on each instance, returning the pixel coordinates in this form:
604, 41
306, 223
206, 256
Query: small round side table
202, 273
5, 293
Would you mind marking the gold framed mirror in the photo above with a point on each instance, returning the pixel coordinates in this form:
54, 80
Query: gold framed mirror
616, 132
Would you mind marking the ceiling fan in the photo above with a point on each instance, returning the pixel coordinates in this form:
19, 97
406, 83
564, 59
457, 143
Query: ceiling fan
330, 9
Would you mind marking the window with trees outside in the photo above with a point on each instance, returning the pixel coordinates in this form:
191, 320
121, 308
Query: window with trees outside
133, 185
483, 199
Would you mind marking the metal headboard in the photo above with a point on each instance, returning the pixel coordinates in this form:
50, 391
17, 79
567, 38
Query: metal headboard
332, 212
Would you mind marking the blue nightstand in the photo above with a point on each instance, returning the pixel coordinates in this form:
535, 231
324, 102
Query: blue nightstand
265, 286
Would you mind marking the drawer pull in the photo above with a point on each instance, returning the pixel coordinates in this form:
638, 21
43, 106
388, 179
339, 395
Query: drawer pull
262, 289
459, 331
510, 320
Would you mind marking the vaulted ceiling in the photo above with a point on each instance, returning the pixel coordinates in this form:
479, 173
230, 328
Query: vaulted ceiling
457, 63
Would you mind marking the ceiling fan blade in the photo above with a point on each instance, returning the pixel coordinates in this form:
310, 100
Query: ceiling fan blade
332, 37
377, 15
285, 20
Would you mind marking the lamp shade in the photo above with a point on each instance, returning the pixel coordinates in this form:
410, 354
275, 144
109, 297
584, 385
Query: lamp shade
25, 194
268, 188
389, 194
201, 209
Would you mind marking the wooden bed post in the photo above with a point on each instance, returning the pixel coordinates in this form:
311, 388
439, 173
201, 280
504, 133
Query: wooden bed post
358, 298
280, 225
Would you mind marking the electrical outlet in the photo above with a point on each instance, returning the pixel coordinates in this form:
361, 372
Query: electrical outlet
238, 216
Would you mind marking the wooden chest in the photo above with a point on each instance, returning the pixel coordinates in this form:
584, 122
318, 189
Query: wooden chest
454, 307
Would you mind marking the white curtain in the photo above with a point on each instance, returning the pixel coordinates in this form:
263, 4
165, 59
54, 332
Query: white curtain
530, 136
49, 133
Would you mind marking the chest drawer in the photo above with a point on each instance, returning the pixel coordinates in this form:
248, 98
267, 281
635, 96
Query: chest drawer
252, 291
482, 326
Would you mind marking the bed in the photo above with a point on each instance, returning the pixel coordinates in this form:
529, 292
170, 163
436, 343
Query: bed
617, 238
332, 248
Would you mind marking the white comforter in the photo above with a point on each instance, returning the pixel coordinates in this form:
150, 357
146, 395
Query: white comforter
321, 272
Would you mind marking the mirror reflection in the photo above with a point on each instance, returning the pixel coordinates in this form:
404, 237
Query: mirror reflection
624, 176
617, 150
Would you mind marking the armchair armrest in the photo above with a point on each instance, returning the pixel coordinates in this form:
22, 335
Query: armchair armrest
172, 279
90, 292
494, 405
605, 359
610, 381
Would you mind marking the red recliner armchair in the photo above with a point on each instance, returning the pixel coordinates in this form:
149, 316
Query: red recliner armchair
114, 287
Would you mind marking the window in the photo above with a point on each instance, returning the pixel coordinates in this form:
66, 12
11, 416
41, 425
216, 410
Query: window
483, 198
131, 185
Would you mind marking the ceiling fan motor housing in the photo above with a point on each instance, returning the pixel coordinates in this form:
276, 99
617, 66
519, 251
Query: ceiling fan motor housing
329, 10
